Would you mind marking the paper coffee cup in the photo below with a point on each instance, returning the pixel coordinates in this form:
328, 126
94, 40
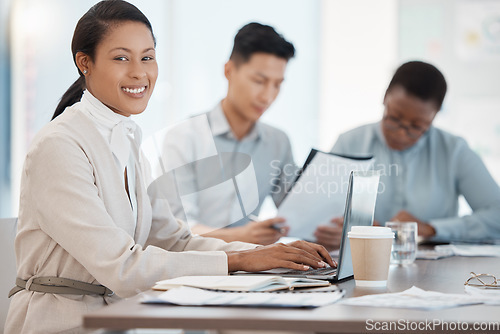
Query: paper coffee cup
371, 254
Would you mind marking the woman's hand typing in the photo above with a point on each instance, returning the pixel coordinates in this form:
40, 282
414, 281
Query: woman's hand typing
298, 255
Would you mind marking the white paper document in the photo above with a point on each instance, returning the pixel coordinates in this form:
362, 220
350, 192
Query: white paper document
434, 254
489, 296
471, 250
414, 298
240, 283
319, 194
187, 296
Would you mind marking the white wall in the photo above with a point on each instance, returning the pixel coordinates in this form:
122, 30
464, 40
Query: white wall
358, 58
462, 38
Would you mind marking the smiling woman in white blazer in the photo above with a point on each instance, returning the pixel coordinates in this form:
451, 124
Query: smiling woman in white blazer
88, 231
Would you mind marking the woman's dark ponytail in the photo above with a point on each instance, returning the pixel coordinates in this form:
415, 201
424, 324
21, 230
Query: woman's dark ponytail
72, 96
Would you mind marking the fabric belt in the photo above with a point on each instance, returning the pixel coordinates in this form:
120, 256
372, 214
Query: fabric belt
59, 285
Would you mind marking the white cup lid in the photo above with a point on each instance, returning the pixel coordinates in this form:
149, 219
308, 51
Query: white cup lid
372, 232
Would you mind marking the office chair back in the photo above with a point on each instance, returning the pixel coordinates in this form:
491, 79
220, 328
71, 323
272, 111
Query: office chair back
8, 228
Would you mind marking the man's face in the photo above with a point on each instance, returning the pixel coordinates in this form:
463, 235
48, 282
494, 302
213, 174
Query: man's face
406, 118
254, 85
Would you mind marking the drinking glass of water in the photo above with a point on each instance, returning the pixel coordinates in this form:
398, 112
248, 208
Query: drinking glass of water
404, 245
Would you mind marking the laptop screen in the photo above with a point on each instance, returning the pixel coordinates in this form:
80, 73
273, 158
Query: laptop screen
359, 210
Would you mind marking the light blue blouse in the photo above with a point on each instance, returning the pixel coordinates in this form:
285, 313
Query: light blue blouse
427, 180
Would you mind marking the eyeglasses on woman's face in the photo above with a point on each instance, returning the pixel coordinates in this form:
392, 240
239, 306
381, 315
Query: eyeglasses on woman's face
405, 112
393, 124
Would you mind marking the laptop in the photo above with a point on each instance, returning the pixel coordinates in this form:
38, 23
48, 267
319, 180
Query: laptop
359, 211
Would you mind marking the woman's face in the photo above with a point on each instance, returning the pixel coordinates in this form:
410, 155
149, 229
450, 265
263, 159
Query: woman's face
124, 70
406, 118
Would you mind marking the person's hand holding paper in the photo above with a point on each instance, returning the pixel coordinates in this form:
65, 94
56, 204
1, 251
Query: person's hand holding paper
265, 232
331, 234
319, 194
261, 232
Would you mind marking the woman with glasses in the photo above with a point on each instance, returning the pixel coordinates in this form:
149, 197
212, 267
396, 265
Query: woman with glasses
424, 169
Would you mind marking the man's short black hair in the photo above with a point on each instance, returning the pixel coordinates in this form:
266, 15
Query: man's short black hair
422, 80
255, 37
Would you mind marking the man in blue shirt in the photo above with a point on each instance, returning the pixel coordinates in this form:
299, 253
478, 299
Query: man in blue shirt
424, 169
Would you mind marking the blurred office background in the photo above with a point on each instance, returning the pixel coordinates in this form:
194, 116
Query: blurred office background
347, 52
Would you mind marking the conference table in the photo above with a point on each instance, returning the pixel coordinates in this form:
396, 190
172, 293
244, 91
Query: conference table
444, 275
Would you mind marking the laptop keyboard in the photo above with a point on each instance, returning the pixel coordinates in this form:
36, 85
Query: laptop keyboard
311, 271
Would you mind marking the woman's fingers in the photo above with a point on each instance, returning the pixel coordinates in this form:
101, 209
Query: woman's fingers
294, 266
299, 255
319, 252
308, 255
283, 252
324, 254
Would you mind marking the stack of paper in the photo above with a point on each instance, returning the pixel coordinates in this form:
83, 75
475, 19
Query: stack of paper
434, 254
471, 250
489, 296
188, 296
414, 298
240, 283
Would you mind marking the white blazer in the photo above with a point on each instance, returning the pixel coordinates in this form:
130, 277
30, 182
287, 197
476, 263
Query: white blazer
75, 221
